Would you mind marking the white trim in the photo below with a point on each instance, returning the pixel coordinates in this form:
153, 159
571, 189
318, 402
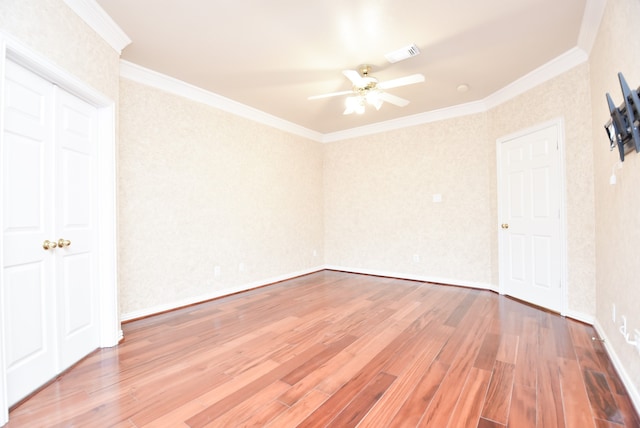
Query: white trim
407, 121
4, 404
141, 313
387, 274
175, 86
110, 332
564, 228
564, 273
579, 316
593, 13
413, 277
100, 21
634, 395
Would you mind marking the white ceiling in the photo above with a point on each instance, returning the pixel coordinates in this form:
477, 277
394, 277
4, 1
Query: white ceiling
273, 55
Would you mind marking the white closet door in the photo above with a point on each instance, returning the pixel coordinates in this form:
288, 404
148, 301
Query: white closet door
28, 280
48, 194
75, 178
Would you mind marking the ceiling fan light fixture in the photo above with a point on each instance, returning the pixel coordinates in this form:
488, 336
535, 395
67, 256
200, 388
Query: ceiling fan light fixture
354, 104
402, 54
374, 98
367, 89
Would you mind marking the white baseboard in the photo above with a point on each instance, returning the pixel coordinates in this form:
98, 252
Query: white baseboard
218, 293
244, 287
579, 316
622, 372
412, 277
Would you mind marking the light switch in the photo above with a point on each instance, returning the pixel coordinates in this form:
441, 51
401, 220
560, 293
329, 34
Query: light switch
437, 197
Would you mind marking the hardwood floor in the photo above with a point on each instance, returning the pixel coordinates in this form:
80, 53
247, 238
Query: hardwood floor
343, 350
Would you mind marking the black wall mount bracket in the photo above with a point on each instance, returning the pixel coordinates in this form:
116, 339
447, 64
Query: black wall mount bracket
623, 126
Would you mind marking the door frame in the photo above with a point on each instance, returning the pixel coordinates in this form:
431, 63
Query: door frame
108, 317
558, 124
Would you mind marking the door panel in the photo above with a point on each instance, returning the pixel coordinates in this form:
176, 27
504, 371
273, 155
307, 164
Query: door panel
77, 306
23, 288
516, 195
530, 206
76, 189
540, 193
517, 257
23, 207
29, 350
541, 256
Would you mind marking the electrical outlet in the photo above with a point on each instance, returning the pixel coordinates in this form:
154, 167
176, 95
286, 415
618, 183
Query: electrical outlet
416, 258
216, 271
613, 312
241, 267
636, 335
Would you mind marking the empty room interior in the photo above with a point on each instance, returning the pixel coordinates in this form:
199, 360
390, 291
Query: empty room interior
343, 213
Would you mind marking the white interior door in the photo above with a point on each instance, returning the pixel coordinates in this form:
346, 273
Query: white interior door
75, 225
28, 283
530, 246
49, 194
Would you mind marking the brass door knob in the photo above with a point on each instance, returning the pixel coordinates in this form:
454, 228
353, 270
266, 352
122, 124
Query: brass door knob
63, 243
505, 225
49, 245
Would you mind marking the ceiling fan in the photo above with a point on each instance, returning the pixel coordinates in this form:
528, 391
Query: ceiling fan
368, 90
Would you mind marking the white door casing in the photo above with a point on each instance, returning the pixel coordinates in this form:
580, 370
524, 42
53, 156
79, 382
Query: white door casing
109, 331
530, 215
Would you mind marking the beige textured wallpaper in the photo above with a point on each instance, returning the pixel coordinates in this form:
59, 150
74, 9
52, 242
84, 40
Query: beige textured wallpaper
617, 49
380, 212
566, 96
52, 29
201, 188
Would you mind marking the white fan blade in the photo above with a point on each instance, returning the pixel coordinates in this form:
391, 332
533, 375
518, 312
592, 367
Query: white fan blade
355, 78
392, 99
332, 94
401, 81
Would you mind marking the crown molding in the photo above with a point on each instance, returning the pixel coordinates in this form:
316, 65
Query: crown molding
544, 73
593, 13
100, 21
175, 86
407, 121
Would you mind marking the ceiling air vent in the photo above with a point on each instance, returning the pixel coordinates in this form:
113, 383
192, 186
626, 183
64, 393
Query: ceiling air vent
402, 53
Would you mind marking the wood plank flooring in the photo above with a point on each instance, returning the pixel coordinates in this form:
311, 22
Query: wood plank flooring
343, 350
